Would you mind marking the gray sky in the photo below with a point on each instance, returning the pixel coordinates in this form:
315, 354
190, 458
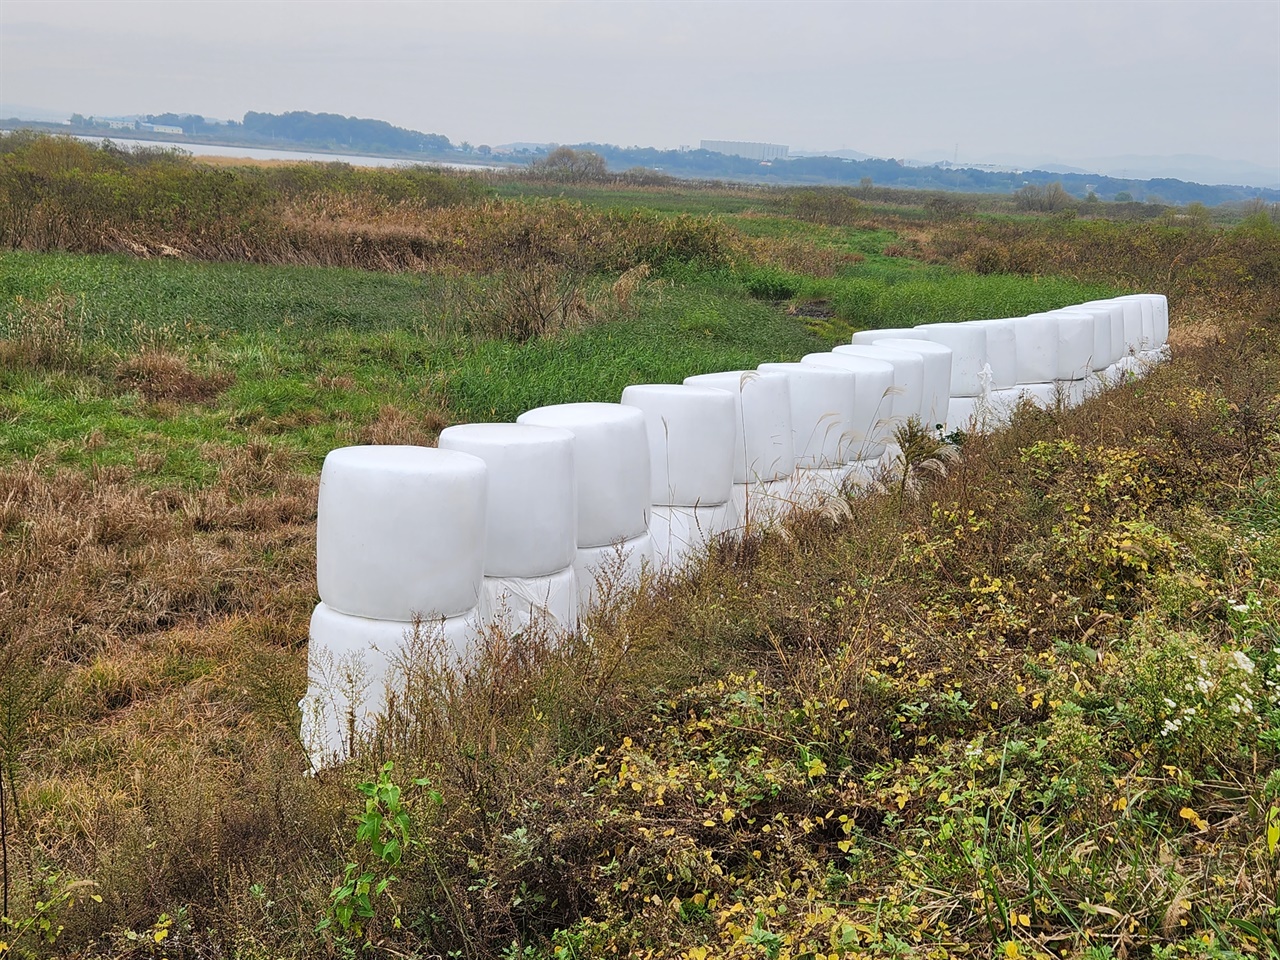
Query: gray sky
1068, 79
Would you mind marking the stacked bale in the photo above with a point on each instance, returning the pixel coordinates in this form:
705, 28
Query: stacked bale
399, 569
764, 455
691, 433
611, 458
872, 410
531, 535
970, 373
822, 416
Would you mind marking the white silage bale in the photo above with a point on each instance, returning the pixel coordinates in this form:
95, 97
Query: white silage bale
612, 568
1037, 349
1075, 343
611, 463
908, 378
516, 604
400, 531
353, 662
1132, 325
812, 488
1100, 356
968, 354
968, 414
533, 506
692, 436
822, 414
1002, 350
681, 533
761, 504
871, 336
937, 376
1116, 311
762, 408
1161, 303
872, 400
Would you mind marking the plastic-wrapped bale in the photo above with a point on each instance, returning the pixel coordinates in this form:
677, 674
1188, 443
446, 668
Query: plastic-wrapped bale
1155, 329
1002, 350
400, 532
822, 413
937, 376
1103, 315
532, 517
692, 434
868, 337
606, 570
764, 455
968, 355
611, 465
680, 533
908, 384
1037, 348
1111, 374
872, 426
517, 604
354, 662
1076, 331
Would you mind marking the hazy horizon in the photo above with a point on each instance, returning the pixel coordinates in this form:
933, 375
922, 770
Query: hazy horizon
959, 80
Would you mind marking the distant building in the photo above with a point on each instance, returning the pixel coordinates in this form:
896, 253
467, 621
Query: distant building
159, 128
751, 151
114, 124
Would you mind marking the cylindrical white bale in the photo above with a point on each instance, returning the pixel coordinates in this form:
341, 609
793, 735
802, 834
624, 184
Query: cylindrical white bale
1100, 353
968, 354
682, 532
937, 376
968, 414
692, 436
1132, 324
354, 661
516, 604
908, 377
1037, 348
762, 503
1161, 303
603, 571
1076, 392
762, 407
1043, 395
811, 488
611, 462
1115, 310
822, 412
871, 336
1147, 337
400, 531
533, 504
1002, 350
872, 425
1075, 343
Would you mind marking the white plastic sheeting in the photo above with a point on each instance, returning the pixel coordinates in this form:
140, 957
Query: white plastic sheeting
352, 664
532, 528
872, 421
1075, 343
813, 486
516, 604
871, 336
615, 567
400, 531
937, 376
1002, 351
692, 433
763, 503
1037, 348
822, 414
968, 355
681, 532
611, 463
765, 449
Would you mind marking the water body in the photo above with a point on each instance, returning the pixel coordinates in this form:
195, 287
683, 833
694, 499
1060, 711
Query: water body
300, 156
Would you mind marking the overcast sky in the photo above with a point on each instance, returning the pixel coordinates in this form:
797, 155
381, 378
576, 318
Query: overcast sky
1065, 79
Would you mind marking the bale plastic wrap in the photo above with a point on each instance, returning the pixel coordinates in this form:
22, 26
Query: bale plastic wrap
763, 503
1076, 331
1161, 303
937, 376
908, 378
871, 336
354, 661
611, 463
400, 531
1002, 350
533, 505
692, 435
680, 533
1132, 325
822, 412
969, 377
872, 423
968, 414
1114, 327
516, 604
762, 406
616, 566
1037, 348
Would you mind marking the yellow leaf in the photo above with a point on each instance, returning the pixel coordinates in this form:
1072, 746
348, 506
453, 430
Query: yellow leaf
1011, 950
161, 934
1186, 813
727, 815
696, 953
1273, 829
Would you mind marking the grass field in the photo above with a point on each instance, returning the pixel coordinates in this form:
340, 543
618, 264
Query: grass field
1028, 711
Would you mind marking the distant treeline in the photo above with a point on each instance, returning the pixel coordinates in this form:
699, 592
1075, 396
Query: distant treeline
894, 173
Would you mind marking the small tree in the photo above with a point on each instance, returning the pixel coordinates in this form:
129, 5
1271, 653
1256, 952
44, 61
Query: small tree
565, 163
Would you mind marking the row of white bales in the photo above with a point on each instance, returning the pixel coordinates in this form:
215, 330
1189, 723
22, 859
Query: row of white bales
514, 523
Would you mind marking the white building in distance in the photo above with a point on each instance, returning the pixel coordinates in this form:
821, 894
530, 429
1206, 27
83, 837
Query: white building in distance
751, 151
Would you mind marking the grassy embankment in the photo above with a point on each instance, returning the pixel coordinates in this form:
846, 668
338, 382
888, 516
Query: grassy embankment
1025, 710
